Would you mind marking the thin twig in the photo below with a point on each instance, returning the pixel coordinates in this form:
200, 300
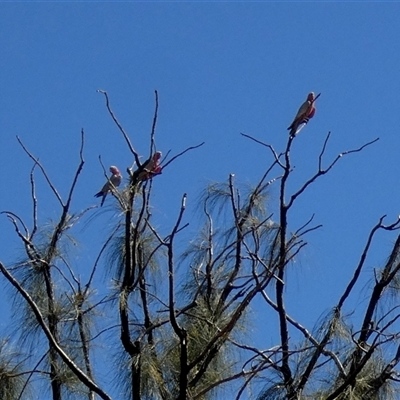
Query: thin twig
181, 153
34, 202
153, 128
274, 153
36, 161
324, 171
126, 137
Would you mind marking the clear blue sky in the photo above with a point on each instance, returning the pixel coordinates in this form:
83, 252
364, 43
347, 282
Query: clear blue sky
220, 68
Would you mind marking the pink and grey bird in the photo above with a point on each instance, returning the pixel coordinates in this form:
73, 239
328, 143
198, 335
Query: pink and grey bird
306, 111
113, 182
151, 167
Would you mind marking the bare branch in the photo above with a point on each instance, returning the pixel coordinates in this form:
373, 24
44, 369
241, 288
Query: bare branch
89, 282
324, 171
39, 317
274, 153
31, 374
36, 161
360, 263
181, 153
34, 202
178, 330
153, 128
125, 135
78, 171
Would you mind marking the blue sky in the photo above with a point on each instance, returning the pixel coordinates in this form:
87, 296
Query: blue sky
220, 68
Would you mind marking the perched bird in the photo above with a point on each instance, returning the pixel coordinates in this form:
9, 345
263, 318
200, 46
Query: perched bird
113, 181
151, 167
306, 111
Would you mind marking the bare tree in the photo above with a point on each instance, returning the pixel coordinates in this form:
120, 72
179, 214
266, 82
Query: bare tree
191, 340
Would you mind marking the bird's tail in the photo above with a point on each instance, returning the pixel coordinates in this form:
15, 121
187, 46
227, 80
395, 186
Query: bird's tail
296, 129
99, 194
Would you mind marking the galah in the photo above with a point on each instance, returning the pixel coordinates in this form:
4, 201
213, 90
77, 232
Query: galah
151, 167
306, 111
113, 181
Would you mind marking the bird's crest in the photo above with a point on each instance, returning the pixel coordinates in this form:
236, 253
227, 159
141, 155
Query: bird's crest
114, 170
